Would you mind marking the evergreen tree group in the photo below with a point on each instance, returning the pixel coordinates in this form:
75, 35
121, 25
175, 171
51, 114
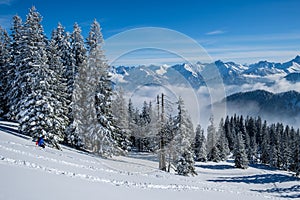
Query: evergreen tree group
251, 141
153, 129
59, 88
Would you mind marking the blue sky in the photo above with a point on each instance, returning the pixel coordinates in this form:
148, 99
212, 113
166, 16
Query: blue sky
230, 30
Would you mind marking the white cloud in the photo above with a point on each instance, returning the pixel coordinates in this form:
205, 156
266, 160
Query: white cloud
252, 48
216, 32
6, 2
255, 56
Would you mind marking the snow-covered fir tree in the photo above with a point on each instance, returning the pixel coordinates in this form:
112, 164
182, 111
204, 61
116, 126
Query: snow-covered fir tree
36, 109
240, 156
265, 145
93, 99
285, 148
183, 136
61, 40
79, 51
121, 118
144, 126
78, 47
230, 128
200, 145
17, 46
58, 89
251, 131
241, 128
222, 142
297, 153
212, 138
169, 129
152, 127
5, 59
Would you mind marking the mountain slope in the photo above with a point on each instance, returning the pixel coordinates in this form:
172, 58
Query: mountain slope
293, 77
29, 172
281, 107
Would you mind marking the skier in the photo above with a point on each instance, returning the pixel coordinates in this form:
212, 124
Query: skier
40, 142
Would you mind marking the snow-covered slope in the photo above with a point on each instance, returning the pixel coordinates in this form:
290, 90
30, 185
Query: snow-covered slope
29, 172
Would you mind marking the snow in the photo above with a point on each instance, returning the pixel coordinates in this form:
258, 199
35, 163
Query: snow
294, 68
162, 69
118, 78
29, 172
189, 68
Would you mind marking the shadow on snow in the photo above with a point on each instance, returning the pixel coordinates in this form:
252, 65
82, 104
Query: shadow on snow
291, 192
258, 179
216, 167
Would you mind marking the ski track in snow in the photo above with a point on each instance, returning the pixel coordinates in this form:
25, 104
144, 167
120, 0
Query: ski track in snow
191, 184
175, 187
94, 178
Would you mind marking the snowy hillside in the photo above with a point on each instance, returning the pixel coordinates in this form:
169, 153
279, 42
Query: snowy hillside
29, 172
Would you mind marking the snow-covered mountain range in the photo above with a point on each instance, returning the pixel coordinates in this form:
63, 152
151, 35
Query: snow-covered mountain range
194, 74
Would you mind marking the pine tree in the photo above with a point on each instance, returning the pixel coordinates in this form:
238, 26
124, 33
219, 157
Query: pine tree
78, 47
222, 143
61, 41
228, 132
240, 156
84, 111
280, 141
152, 128
265, 145
285, 148
274, 152
93, 99
258, 125
212, 150
251, 132
119, 111
5, 59
58, 89
297, 153
183, 135
36, 110
169, 129
200, 145
17, 52
72, 136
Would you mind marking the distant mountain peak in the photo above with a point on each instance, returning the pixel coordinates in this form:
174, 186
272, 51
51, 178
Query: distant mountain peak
296, 59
